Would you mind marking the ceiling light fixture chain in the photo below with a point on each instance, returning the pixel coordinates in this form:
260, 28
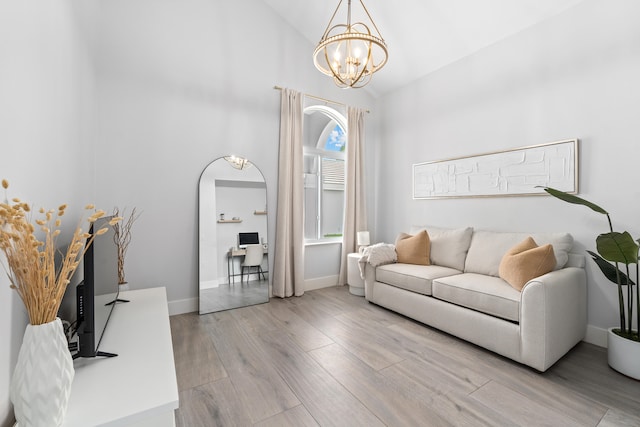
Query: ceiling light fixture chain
348, 52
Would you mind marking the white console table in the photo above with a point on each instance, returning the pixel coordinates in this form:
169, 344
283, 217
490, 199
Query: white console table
139, 386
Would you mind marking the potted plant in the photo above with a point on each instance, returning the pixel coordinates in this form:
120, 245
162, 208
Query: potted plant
615, 251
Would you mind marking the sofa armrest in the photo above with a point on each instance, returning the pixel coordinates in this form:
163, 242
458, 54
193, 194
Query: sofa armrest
553, 316
369, 278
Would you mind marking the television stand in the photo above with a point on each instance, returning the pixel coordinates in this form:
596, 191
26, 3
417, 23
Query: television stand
117, 300
139, 387
98, 354
105, 354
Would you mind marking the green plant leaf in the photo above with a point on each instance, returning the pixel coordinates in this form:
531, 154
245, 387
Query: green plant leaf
617, 247
609, 270
570, 198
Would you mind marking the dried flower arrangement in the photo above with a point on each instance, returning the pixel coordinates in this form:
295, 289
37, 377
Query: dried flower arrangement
122, 238
31, 263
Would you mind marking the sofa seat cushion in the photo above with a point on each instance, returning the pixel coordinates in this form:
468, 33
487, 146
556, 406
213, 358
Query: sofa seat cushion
487, 294
412, 277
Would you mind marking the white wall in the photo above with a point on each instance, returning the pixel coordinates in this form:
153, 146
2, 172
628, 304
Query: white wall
45, 120
176, 87
131, 119
575, 75
165, 87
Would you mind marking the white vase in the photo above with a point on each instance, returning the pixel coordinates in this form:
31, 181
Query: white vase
623, 355
41, 382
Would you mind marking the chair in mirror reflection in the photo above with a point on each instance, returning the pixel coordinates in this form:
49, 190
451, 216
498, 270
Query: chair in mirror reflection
252, 259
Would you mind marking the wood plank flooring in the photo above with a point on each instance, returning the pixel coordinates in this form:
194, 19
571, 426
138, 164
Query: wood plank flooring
233, 295
329, 358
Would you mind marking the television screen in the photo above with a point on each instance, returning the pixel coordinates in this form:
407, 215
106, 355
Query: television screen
99, 287
245, 239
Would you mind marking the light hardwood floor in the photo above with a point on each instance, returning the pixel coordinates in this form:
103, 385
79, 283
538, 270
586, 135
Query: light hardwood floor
330, 358
233, 295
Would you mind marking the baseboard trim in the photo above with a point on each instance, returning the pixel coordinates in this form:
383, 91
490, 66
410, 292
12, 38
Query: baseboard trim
320, 282
182, 306
596, 336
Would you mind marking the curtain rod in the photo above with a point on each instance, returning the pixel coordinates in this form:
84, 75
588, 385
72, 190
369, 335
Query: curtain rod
321, 99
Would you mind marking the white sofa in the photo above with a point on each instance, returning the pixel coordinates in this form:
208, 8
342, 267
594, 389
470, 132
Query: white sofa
461, 293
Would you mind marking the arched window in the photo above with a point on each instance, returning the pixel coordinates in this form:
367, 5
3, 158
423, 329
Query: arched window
325, 138
337, 139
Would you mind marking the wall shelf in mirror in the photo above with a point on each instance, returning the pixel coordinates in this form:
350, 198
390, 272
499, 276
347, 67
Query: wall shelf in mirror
226, 221
259, 212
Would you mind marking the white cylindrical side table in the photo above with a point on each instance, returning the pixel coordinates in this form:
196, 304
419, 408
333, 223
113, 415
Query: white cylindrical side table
356, 284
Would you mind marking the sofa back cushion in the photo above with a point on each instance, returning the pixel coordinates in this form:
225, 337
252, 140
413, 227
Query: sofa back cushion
413, 249
576, 260
488, 247
449, 246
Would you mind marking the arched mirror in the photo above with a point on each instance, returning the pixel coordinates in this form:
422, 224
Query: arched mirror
233, 241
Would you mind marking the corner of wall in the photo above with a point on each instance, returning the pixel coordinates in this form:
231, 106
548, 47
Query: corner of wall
596, 336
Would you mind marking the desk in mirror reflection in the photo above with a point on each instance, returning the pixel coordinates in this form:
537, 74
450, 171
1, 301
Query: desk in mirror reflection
240, 253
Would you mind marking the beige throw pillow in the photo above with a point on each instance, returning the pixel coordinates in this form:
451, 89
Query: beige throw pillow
526, 261
413, 249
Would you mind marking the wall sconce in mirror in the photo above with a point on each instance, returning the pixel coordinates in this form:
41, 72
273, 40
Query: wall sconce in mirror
238, 162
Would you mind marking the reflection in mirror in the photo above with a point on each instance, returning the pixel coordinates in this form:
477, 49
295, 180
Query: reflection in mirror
232, 217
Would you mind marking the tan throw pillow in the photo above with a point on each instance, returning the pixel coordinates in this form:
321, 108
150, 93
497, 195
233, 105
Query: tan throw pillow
413, 249
526, 261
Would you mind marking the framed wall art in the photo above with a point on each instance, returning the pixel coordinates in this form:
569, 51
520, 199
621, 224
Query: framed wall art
516, 172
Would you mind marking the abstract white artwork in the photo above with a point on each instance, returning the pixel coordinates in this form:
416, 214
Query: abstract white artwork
517, 172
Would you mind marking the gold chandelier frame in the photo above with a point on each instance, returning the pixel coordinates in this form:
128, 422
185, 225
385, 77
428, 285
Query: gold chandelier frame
354, 70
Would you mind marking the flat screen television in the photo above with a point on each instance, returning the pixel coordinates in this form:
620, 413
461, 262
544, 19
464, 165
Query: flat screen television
97, 294
245, 239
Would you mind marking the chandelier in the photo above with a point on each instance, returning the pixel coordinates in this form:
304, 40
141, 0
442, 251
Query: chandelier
238, 162
349, 52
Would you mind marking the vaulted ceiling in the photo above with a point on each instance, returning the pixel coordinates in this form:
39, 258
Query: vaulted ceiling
424, 35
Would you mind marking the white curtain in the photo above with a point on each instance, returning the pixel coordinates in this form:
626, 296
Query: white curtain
288, 265
355, 215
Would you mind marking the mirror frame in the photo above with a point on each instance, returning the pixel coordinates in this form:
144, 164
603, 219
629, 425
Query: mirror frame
205, 212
